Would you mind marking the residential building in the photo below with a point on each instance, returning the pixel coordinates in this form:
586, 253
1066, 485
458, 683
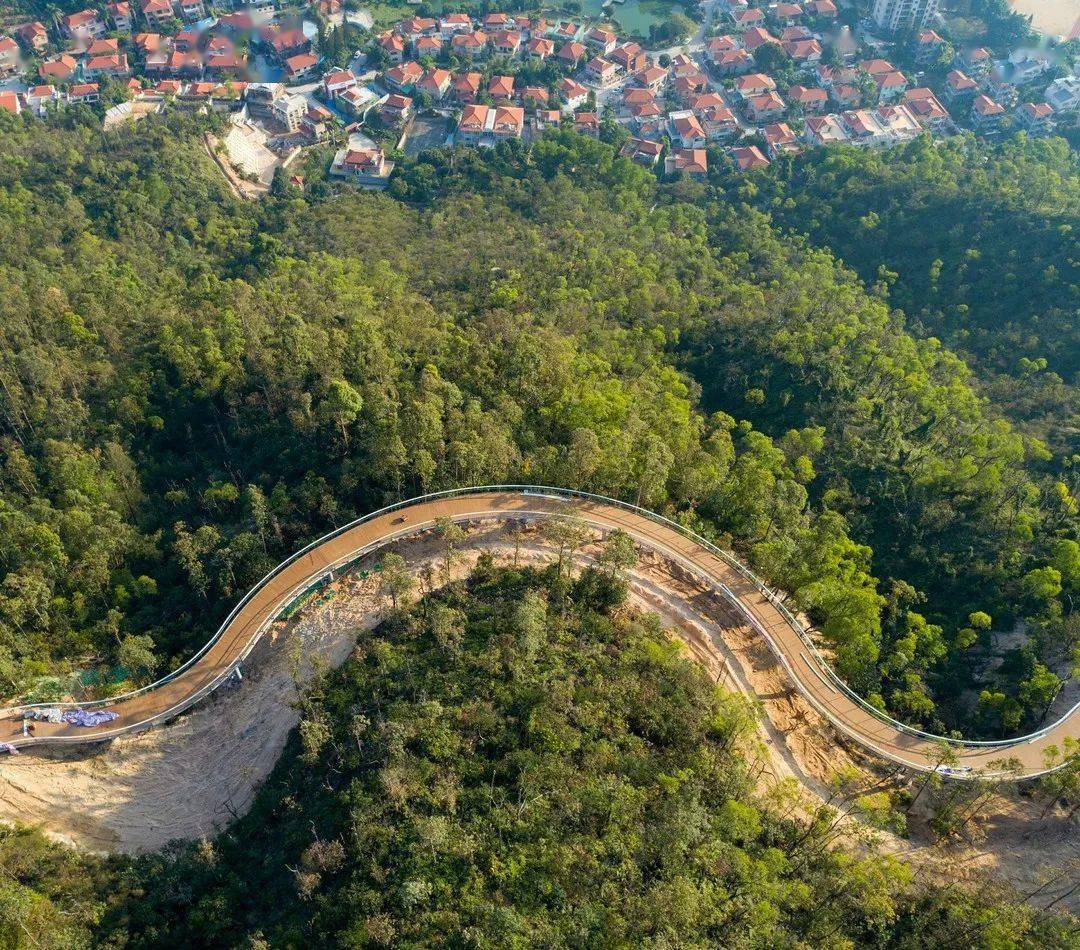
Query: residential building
366, 167
9, 102
86, 93
986, 114
895, 15
539, 49
506, 42
393, 45
786, 13
804, 52
928, 45
601, 71
689, 161
863, 128
39, 99
357, 102
928, 110
822, 9
754, 84
289, 111
33, 36
83, 26
891, 85
453, 23
756, 37
475, 121
1036, 118
686, 130
736, 62
748, 158
1063, 94
629, 57
428, 46
651, 77
471, 46
719, 122
535, 98
396, 110
9, 55
743, 20
114, 65
779, 138
825, 130
898, 122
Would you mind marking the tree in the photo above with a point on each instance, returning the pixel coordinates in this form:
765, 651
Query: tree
395, 580
619, 553
452, 535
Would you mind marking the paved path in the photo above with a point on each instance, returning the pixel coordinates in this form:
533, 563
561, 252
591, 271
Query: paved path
802, 664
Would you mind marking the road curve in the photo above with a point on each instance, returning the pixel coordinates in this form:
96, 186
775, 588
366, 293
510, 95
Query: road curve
808, 672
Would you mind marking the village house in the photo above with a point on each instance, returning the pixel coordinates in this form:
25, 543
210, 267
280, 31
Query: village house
600, 71
822, 9
785, 13
337, 82
33, 36
629, 57
403, 76
547, 118
743, 20
509, 122
428, 46
573, 94
158, 14
539, 49
748, 158
506, 42
986, 115
40, 99
825, 130
300, 66
496, 21
1035, 118
898, 123
571, 54
113, 65
719, 122
652, 78
736, 62
436, 83
357, 102
393, 45
1063, 95
60, 69
84, 26
466, 87
862, 127
846, 97
396, 110
812, 100
601, 41
779, 138
501, 88
928, 46
642, 151
9, 55
85, 92
804, 52
686, 130
9, 102
367, 168
765, 107
415, 27
454, 23
535, 98
470, 46
689, 161
959, 86
587, 123
121, 16
757, 37
754, 84
928, 110
975, 61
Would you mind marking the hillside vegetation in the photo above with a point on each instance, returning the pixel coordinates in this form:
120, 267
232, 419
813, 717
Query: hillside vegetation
516, 761
191, 387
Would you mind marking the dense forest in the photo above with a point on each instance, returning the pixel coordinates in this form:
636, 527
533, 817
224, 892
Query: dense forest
192, 386
515, 760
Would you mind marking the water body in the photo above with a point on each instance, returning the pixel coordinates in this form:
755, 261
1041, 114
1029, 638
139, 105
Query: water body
634, 16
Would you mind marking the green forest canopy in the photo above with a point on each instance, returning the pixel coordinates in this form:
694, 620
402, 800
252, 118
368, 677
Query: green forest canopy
518, 761
191, 387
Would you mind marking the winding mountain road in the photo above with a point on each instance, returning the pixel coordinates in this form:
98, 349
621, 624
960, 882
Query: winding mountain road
761, 609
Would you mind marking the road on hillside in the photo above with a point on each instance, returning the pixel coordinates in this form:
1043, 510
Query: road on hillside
759, 607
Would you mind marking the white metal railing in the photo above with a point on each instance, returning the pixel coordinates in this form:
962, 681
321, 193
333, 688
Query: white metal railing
541, 490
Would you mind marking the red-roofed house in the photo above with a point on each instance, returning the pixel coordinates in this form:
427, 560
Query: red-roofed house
572, 93
501, 88
928, 111
87, 92
986, 114
629, 57
466, 87
587, 123
571, 54
403, 76
689, 161
958, 85
686, 130
651, 77
470, 46
473, 124
764, 107
642, 151
506, 42
336, 82
539, 49
600, 71
114, 65
393, 45
509, 122
39, 99
396, 109
9, 55
1037, 118
121, 15
9, 102
745, 19
83, 26
157, 13
33, 36
601, 41
804, 51
366, 167
780, 138
754, 84
300, 66
811, 99
436, 83
756, 37
60, 69
749, 158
